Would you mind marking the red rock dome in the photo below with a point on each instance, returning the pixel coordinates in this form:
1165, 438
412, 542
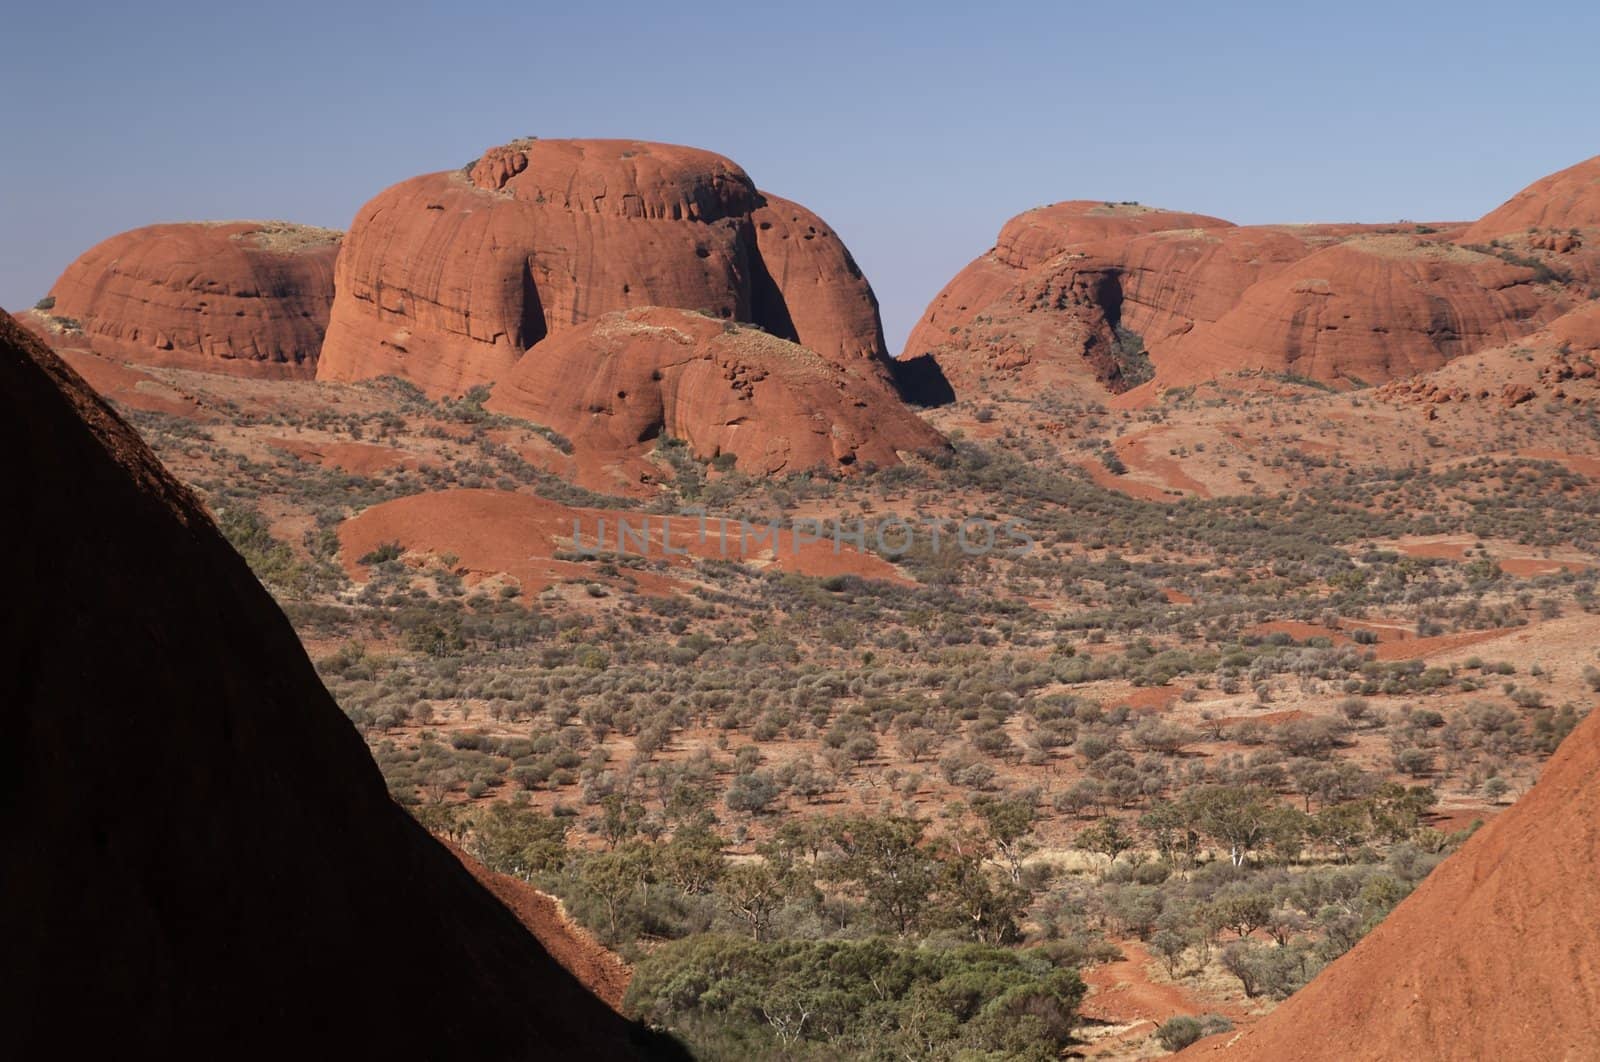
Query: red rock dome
232, 296
1565, 200
618, 383
1555, 221
1089, 298
1366, 311
448, 278
1025, 254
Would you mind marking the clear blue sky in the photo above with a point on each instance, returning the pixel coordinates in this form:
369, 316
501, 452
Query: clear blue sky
915, 129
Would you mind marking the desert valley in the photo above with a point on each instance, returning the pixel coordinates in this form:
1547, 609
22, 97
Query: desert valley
1185, 643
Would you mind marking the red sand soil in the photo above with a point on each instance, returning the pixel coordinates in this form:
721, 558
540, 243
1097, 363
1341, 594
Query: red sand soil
1269, 718
1299, 631
362, 459
499, 532
1517, 564
1539, 566
1417, 648
1582, 464
1143, 455
1148, 698
131, 387
1133, 488
1387, 631
1435, 549
1122, 993
1495, 956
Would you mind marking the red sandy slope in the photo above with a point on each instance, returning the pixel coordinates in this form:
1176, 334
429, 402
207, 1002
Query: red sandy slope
1495, 956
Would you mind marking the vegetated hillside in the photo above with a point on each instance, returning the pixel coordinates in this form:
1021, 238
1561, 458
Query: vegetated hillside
204, 859
1496, 955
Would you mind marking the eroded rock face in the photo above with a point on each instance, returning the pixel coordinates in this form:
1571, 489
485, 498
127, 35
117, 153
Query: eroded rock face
1085, 299
617, 384
1496, 954
1033, 248
807, 287
1366, 311
448, 278
208, 862
1077, 298
237, 296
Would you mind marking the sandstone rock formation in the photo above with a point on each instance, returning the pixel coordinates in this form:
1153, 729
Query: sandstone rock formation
1562, 201
1087, 299
1558, 363
448, 278
1366, 310
1024, 251
1555, 221
236, 296
616, 385
205, 860
1496, 955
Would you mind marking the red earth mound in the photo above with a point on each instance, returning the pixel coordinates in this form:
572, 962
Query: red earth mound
362, 459
448, 278
1091, 298
616, 385
207, 860
235, 296
129, 385
536, 541
1496, 955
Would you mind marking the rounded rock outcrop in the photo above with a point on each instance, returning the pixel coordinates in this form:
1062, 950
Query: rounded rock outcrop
1553, 224
1090, 299
618, 384
1565, 200
232, 296
448, 278
216, 859
1365, 311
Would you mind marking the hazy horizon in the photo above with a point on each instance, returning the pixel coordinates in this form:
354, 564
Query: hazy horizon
915, 136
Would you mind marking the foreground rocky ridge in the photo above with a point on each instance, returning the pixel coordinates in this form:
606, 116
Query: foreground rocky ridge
208, 859
1496, 954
